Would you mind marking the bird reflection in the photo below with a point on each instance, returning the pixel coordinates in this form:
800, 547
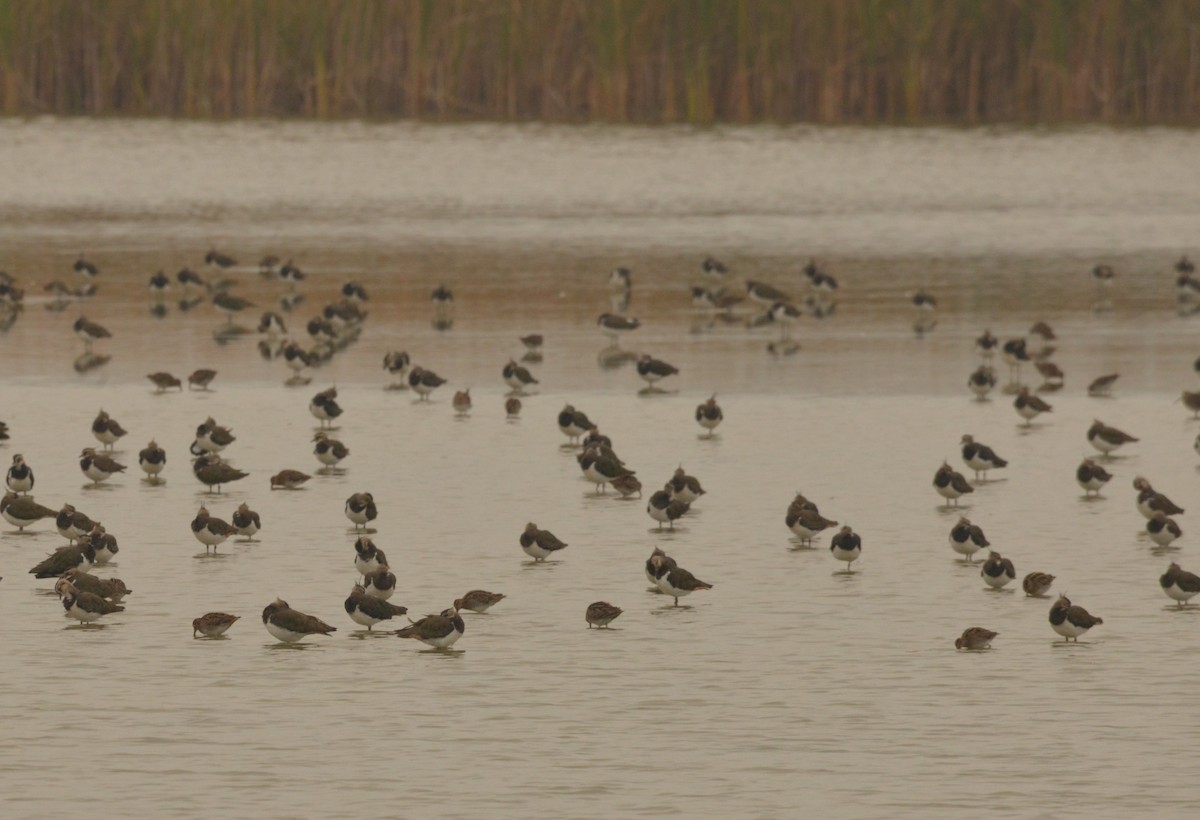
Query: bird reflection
90, 361
442, 322
924, 324
228, 333
290, 301
270, 350
158, 310
611, 358
186, 304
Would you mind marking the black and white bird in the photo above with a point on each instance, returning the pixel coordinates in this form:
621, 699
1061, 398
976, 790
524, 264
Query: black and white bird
246, 521
539, 544
997, 571
1028, 406
230, 305
354, 292
709, 415
1103, 275
328, 451
85, 268
1162, 530
601, 466
654, 370
986, 345
296, 357
97, 466
980, 458
86, 607
1107, 439
368, 558
106, 429
442, 298
190, 280
784, 314
152, 459
1149, 501
439, 631
19, 477
289, 272
290, 625
765, 294
424, 381
1037, 584
211, 471
1091, 477
685, 487
214, 258
360, 509
396, 363
601, 614
213, 624
324, 407
103, 543
22, 511
478, 600
674, 580
1071, 620
981, 381
714, 269
90, 332
209, 531
366, 610
518, 378
1178, 585
381, 583
664, 508
846, 546
212, 437
951, 484
967, 538
652, 566
573, 423
614, 325
923, 301
72, 524
975, 639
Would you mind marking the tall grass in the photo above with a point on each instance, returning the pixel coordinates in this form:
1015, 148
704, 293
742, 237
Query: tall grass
826, 61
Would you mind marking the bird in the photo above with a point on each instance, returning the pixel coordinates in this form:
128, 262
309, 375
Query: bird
1192, 402
201, 379
1149, 501
1102, 385
975, 639
765, 294
673, 579
980, 457
104, 544
355, 292
709, 415
1071, 620
512, 407
664, 508
396, 362
73, 556
424, 381
462, 402
439, 631
627, 485
442, 297
152, 460
1105, 438
324, 407
90, 332
86, 269
478, 600
652, 566
86, 607
246, 521
601, 614
950, 484
573, 423
217, 259
190, 279
290, 273
107, 429
22, 511
654, 370
714, 268
986, 345
329, 451
97, 466
212, 437
290, 625
211, 471
213, 624
600, 465
997, 570
1037, 584
685, 487
539, 544
360, 509
209, 531
72, 524
981, 381
1015, 354
367, 610
1091, 477
1179, 586
113, 589
1103, 275
785, 315
288, 480
1162, 530
1041, 334
923, 301
967, 538
381, 583
517, 377
164, 381
1052, 375
368, 558
19, 477
533, 342
620, 279
1028, 405
846, 546
614, 326
230, 305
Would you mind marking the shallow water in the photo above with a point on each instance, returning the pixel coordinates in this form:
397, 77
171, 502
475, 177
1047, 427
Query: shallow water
790, 685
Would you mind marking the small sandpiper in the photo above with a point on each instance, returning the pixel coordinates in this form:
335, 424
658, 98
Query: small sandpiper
290, 625
986, 345
90, 332
539, 544
1179, 586
214, 258
230, 305
23, 511
1037, 584
1107, 439
424, 381
1029, 406
113, 589
614, 326
512, 407
980, 457
246, 521
86, 607
1162, 530
765, 294
664, 508
627, 485
201, 379
97, 466
396, 363
1052, 375
107, 429
329, 451
975, 639
211, 471
967, 538
439, 631
1070, 620
1150, 501
601, 614
213, 624
573, 423
951, 484
1091, 477
981, 381
1102, 385
846, 546
461, 402
164, 381
654, 370
709, 415
209, 531
361, 510
288, 480
478, 600
381, 583
685, 487
674, 580
152, 460
620, 279
366, 610
517, 378
324, 407
997, 570
368, 558
74, 556
19, 477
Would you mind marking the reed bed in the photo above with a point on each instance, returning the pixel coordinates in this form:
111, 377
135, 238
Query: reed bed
645, 61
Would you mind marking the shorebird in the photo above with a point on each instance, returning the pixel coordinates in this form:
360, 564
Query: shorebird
152, 460
950, 484
1149, 501
324, 407
366, 610
1103, 275
539, 544
1037, 584
1105, 438
997, 570
360, 509
288, 480
355, 292
709, 415
652, 566
107, 429
22, 511
1091, 477
765, 294
368, 558
923, 301
654, 370
201, 379
614, 325
190, 279
601, 614
272, 324
674, 580
1102, 385
214, 258
86, 269
1192, 402
1162, 530
209, 531
246, 521
230, 305
986, 345
533, 342
601, 466
211, 471
1179, 586
86, 607
685, 487
19, 477
664, 508
329, 451
975, 639
846, 546
90, 332
213, 624
381, 583
1070, 620
441, 297
104, 544
1028, 406
290, 625
714, 268
290, 273
322, 332
74, 556
516, 377
981, 381
1014, 354
163, 381
627, 485
268, 265
785, 315
573, 423
620, 279
97, 466
424, 381
1042, 337
396, 363
806, 523
512, 407
72, 524
461, 402
439, 631
1052, 375
478, 600
967, 538
113, 589
980, 457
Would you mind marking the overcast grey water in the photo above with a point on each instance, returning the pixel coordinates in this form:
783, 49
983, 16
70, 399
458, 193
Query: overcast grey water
791, 688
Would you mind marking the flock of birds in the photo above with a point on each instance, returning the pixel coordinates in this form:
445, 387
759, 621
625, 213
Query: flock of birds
86, 597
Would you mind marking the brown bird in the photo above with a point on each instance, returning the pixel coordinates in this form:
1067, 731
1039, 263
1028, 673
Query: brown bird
1052, 375
539, 544
367, 610
163, 381
112, 588
601, 614
290, 625
210, 470
97, 466
1037, 584
975, 639
478, 600
462, 402
674, 580
439, 631
1105, 438
201, 379
1102, 385
627, 485
512, 407
246, 521
214, 624
22, 511
1028, 406
951, 484
1070, 620
288, 480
